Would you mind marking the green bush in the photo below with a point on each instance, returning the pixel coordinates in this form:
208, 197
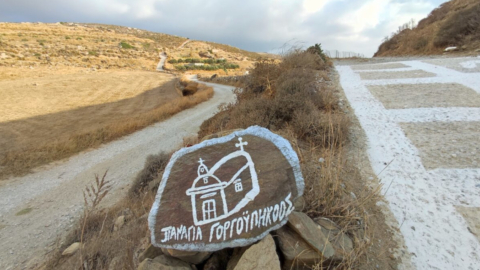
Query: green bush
125, 45
67, 37
317, 49
94, 53
172, 61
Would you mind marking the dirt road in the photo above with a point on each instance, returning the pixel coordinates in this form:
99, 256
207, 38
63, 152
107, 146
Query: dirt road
422, 122
51, 198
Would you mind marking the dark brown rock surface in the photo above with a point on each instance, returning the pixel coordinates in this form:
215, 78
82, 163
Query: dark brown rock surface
226, 192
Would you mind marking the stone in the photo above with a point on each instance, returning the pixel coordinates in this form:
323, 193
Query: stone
163, 262
217, 261
226, 192
3, 56
188, 256
311, 233
72, 249
300, 204
150, 253
340, 241
296, 252
119, 222
449, 49
262, 255
205, 55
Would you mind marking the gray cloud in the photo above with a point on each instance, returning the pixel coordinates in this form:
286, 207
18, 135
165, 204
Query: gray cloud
353, 25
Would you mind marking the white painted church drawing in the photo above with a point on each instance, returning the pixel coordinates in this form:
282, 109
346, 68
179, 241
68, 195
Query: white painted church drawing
210, 195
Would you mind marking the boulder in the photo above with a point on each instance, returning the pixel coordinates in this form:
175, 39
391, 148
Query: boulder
72, 249
163, 262
226, 192
262, 255
219, 134
205, 55
450, 49
297, 252
188, 256
217, 261
311, 233
150, 253
340, 241
300, 204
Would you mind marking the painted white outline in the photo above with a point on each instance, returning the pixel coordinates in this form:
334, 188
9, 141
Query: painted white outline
203, 173
282, 144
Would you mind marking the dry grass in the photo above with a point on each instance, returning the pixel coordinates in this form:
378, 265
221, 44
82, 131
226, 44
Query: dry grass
102, 245
287, 99
454, 23
17, 162
82, 45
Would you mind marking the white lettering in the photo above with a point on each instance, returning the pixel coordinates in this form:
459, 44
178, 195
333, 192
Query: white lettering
239, 226
276, 209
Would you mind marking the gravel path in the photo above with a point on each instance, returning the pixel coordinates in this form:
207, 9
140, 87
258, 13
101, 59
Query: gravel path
434, 205
53, 194
161, 64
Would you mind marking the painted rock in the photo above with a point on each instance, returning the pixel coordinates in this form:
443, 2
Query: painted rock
226, 192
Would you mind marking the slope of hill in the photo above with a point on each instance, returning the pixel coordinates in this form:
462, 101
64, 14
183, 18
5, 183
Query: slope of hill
455, 23
96, 46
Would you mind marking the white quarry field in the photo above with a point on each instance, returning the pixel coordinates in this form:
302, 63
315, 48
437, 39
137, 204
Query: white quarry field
54, 192
427, 203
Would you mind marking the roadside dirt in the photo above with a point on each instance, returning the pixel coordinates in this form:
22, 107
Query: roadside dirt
38, 209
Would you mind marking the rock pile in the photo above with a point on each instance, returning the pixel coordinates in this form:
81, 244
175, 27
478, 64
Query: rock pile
301, 244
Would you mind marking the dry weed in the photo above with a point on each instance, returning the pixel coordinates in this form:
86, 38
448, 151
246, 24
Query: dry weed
22, 161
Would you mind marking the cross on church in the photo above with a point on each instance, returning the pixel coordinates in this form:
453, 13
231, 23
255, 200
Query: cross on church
201, 161
241, 144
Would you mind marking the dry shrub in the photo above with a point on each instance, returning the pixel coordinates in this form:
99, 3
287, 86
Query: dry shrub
454, 23
236, 81
102, 244
19, 162
275, 94
289, 99
154, 165
190, 89
455, 31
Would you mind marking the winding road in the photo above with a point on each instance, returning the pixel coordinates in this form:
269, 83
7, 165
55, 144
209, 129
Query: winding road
161, 64
54, 192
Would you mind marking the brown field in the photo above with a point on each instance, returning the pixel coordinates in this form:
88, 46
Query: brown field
52, 114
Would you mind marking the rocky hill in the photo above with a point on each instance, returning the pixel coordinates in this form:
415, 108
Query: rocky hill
454, 24
102, 47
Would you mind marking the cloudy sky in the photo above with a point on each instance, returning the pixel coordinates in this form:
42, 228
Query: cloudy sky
255, 25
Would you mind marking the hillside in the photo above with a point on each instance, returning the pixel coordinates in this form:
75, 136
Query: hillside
102, 47
454, 24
